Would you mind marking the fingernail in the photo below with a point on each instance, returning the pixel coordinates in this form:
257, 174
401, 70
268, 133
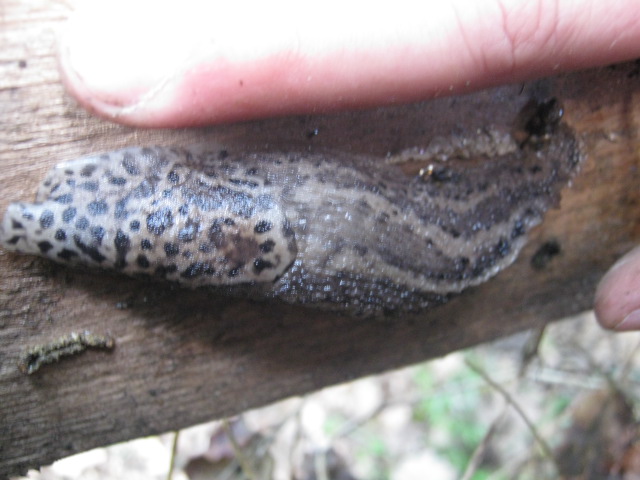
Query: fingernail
630, 322
113, 61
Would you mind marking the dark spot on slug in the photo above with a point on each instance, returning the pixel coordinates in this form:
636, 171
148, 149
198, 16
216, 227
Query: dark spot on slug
453, 232
134, 225
518, 229
46, 219
60, 235
82, 223
216, 234
97, 207
67, 254
503, 247
146, 244
244, 183
122, 242
361, 250
205, 248
144, 190
163, 271
97, 234
16, 225
208, 198
68, 214
462, 263
171, 249
89, 186
173, 177
260, 264
234, 272
198, 268
382, 217
92, 252
142, 261
121, 211
160, 220
263, 226
88, 170
189, 231
44, 247
65, 199
119, 181
130, 165
267, 246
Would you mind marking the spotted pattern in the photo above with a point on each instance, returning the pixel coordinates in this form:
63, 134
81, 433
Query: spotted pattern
143, 211
335, 231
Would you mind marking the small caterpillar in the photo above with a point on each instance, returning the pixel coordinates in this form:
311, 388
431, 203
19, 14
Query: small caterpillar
323, 229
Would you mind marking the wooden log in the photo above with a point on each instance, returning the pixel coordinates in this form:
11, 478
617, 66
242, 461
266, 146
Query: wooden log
183, 357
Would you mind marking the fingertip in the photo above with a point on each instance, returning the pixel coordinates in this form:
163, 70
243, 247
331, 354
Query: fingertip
170, 64
617, 299
112, 55
183, 65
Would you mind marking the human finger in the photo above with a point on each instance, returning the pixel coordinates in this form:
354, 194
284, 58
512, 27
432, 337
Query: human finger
617, 300
172, 64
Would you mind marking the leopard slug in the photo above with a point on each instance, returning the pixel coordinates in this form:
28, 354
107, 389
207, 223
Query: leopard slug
332, 230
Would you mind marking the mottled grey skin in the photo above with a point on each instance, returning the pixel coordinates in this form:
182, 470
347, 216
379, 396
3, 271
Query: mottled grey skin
330, 230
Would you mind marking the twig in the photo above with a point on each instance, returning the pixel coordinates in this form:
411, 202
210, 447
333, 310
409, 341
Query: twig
531, 347
478, 453
174, 450
320, 465
237, 450
355, 424
297, 436
546, 450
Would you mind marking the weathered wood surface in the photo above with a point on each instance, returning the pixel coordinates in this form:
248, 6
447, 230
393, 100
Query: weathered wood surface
183, 357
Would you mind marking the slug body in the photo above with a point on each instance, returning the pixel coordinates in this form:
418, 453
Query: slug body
329, 230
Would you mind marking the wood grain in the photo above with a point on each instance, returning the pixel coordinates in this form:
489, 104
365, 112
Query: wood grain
183, 357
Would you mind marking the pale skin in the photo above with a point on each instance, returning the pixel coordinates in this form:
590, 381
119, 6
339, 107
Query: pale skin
196, 63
